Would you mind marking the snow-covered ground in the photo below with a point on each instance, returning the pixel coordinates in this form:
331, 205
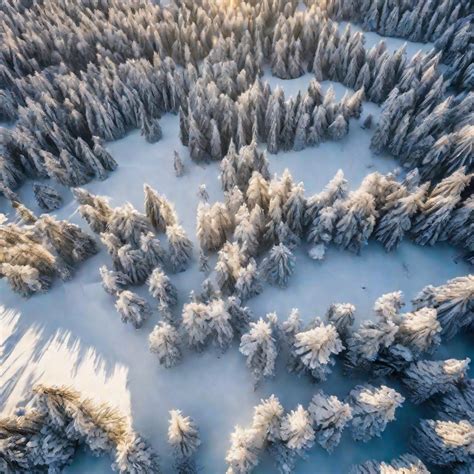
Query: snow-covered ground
73, 334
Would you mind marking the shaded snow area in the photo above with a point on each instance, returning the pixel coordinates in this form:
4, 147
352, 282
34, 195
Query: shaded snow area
73, 335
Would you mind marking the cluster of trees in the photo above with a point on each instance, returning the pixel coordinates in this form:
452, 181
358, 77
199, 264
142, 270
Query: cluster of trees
46, 436
136, 252
39, 249
447, 23
287, 436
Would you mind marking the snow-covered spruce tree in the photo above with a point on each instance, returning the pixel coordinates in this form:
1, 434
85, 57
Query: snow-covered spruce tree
47, 197
444, 443
454, 303
150, 129
183, 437
242, 456
259, 347
128, 225
278, 265
313, 350
203, 262
405, 464
29, 444
180, 248
460, 228
297, 431
436, 211
134, 455
178, 165
257, 192
240, 316
219, 320
69, 241
426, 378
458, 403
24, 279
158, 209
356, 222
153, 252
341, 316
164, 341
397, 216
294, 209
113, 282
195, 321
329, 416
133, 264
372, 408
103, 155
161, 288
228, 266
248, 282
388, 306
132, 308
419, 331
339, 128
24, 215
266, 420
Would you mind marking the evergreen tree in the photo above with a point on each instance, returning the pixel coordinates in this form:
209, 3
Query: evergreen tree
248, 282
183, 437
164, 341
158, 210
278, 265
180, 248
297, 430
329, 416
113, 282
178, 165
161, 288
372, 409
47, 197
405, 463
341, 316
427, 378
195, 321
132, 308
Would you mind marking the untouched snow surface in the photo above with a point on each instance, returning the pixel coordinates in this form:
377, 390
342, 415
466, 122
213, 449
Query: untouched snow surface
73, 335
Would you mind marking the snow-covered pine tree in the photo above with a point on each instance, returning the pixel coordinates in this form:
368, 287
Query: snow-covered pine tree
313, 350
458, 403
294, 209
407, 463
266, 420
134, 454
339, 128
278, 265
242, 456
128, 225
240, 316
158, 210
372, 408
453, 302
161, 288
47, 197
133, 264
220, 324
113, 282
132, 308
329, 417
341, 315
178, 165
248, 282
426, 378
259, 347
165, 342
180, 248
195, 322
183, 437
444, 443
297, 430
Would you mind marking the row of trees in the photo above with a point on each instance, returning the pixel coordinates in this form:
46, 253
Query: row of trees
47, 435
446, 23
39, 249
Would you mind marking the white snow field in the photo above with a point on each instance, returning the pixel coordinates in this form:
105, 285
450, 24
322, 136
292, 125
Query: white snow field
73, 335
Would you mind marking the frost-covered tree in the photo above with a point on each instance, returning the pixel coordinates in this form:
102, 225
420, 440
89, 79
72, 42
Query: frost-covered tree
128, 225
220, 323
405, 464
161, 288
259, 347
242, 456
267, 419
339, 128
151, 129
180, 248
444, 443
133, 264
132, 308
24, 279
158, 210
313, 350
178, 165
278, 265
297, 430
453, 302
248, 282
47, 197
372, 408
419, 331
113, 282
426, 378
341, 316
164, 341
134, 454
388, 306
356, 222
329, 417
183, 437
258, 192
195, 321
203, 262
240, 315
294, 209
458, 403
